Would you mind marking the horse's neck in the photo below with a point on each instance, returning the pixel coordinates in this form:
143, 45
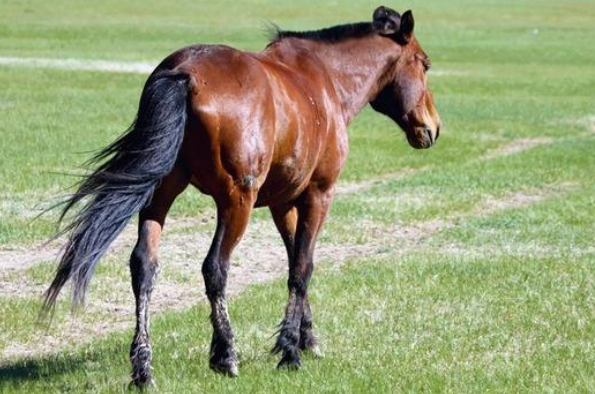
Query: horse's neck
357, 69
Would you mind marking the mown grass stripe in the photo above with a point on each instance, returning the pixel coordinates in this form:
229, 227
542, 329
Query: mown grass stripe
80, 64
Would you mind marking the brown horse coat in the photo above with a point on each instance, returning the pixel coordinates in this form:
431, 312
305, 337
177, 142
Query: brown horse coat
248, 129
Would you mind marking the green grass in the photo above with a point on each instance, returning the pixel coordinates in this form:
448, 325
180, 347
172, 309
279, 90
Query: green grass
497, 301
423, 323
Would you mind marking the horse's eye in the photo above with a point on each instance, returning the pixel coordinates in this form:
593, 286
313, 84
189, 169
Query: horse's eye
425, 61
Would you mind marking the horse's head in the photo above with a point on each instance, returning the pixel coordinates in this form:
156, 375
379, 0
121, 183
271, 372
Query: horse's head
404, 95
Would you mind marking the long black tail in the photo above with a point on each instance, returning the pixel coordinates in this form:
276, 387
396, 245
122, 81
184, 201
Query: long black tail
132, 167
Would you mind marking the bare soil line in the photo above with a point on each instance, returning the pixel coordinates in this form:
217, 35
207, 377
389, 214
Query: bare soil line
516, 146
491, 205
350, 188
587, 122
260, 258
24, 257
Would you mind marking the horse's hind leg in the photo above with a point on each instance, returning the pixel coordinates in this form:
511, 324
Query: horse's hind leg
144, 268
285, 218
312, 207
233, 213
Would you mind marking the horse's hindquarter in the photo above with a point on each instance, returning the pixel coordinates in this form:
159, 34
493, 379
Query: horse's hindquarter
257, 124
229, 133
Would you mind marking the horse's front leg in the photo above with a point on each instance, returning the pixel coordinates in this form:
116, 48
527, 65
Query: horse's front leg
144, 268
295, 332
233, 213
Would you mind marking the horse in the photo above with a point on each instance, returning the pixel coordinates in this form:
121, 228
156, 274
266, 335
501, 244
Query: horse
265, 129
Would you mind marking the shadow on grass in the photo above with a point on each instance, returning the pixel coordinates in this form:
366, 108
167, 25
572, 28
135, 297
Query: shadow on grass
46, 369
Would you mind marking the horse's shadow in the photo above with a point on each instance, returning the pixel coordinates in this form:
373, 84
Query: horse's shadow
46, 368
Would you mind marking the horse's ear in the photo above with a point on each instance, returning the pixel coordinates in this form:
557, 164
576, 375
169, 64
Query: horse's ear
386, 21
407, 24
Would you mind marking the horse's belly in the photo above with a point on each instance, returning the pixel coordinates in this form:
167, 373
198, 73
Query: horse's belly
284, 183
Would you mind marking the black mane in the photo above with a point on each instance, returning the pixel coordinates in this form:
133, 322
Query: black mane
329, 34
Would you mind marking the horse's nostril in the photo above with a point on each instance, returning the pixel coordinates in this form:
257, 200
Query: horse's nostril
428, 132
437, 132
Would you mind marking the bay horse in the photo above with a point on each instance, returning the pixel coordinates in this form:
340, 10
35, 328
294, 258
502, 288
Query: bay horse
250, 130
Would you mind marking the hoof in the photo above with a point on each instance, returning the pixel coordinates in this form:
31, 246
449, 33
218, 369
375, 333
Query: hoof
309, 344
291, 363
223, 358
141, 366
142, 384
227, 367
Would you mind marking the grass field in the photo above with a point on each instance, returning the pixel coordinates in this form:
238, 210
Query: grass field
465, 268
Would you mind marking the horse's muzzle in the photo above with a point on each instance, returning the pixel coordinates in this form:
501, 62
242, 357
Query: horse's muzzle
423, 137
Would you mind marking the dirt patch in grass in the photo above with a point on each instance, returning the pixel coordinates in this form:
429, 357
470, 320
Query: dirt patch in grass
260, 258
420, 231
516, 146
588, 122
354, 187
513, 200
24, 257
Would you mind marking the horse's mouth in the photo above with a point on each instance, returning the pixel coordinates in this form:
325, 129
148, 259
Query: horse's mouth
421, 137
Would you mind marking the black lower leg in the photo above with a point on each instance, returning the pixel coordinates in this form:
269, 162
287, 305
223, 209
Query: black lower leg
290, 334
223, 358
308, 340
296, 329
144, 268
144, 272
